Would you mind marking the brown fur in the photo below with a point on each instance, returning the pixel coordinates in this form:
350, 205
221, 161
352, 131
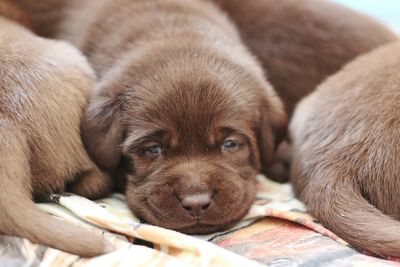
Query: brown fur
15, 13
44, 88
300, 43
175, 73
347, 145
42, 16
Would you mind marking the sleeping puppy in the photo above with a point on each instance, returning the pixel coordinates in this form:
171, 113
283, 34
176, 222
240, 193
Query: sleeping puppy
44, 88
182, 110
299, 43
347, 145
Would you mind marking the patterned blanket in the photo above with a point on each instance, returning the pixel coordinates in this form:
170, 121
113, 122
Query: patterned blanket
277, 231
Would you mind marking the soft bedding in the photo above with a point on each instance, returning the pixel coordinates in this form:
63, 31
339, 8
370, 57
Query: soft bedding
277, 231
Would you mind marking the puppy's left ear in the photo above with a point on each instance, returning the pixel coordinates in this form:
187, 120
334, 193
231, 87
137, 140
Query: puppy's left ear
272, 128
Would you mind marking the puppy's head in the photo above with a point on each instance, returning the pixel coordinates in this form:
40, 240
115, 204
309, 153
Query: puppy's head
190, 139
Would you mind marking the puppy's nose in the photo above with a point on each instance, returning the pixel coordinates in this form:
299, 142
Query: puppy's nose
196, 204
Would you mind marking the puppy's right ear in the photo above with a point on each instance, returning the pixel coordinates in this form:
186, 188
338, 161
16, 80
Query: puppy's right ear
102, 130
272, 127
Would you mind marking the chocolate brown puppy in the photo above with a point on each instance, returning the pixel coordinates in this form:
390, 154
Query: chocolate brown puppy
347, 145
182, 109
300, 43
44, 88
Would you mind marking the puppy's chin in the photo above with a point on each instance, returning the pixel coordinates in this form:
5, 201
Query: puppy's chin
165, 211
195, 225
203, 229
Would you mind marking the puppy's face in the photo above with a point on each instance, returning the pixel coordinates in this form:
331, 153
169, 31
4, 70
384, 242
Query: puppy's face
191, 146
192, 171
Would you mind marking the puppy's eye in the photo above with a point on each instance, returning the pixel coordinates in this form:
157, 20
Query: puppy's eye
229, 145
153, 151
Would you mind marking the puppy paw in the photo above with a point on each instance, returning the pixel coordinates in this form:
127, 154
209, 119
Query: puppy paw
92, 184
279, 168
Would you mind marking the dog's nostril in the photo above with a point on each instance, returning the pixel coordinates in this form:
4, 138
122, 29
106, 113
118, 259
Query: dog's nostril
196, 204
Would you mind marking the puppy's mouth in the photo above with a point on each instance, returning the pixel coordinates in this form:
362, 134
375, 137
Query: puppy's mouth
199, 226
210, 222
203, 229
216, 207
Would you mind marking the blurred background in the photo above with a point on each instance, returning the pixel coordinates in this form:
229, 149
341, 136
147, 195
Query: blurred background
387, 11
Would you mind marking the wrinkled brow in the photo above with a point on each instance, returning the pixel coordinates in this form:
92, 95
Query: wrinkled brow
139, 137
234, 128
228, 131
